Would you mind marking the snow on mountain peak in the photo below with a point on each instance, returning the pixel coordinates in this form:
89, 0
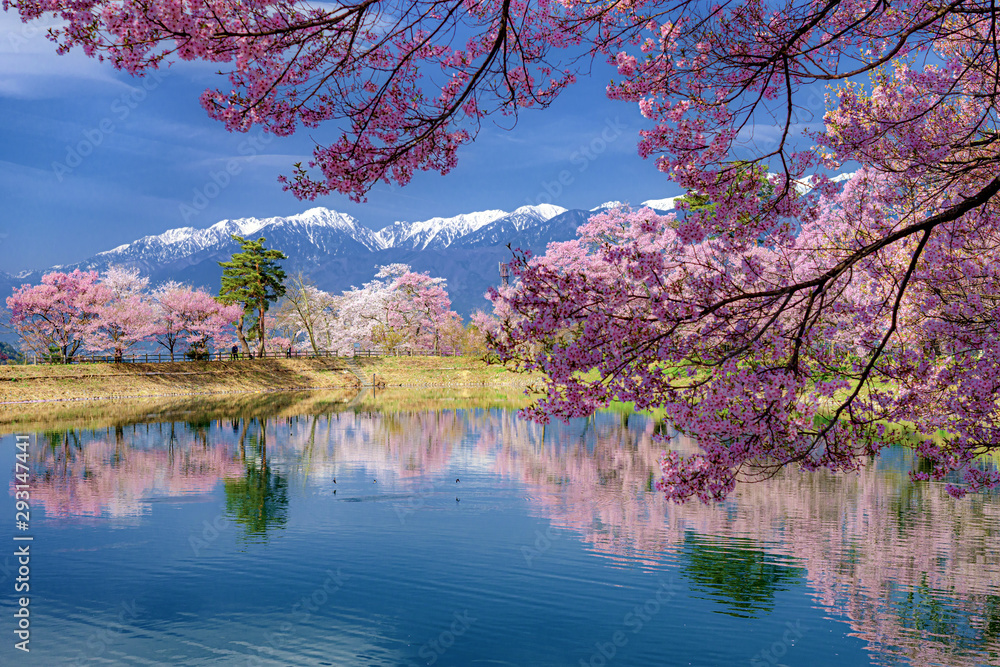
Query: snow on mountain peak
661, 204
439, 232
469, 221
608, 204
169, 237
184, 241
325, 217
241, 226
544, 211
246, 226
325, 228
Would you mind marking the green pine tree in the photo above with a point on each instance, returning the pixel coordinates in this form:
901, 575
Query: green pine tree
253, 279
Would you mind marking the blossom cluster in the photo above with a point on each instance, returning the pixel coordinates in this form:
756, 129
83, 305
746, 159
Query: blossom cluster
68, 313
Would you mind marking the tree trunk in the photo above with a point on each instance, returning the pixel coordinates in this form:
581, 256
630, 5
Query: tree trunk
239, 334
312, 339
260, 331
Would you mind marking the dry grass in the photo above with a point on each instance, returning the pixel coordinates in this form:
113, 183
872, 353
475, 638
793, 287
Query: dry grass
436, 372
443, 399
79, 381
100, 414
20, 384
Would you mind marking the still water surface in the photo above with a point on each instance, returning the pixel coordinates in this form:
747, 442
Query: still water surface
350, 535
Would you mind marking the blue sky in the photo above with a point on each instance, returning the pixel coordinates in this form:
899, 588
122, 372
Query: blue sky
151, 149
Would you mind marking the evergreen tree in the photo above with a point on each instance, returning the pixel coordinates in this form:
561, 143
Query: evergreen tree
252, 278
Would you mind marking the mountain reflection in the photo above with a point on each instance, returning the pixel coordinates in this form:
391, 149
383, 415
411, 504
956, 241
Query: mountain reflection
911, 569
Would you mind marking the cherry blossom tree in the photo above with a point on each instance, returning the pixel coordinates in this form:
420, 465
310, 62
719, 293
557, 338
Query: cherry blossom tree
481, 324
56, 313
720, 315
455, 338
169, 321
191, 316
120, 324
362, 312
123, 316
306, 310
400, 309
810, 377
278, 345
124, 282
420, 310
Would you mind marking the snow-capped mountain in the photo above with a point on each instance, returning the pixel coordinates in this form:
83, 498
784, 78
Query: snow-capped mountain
337, 251
436, 232
319, 231
442, 232
660, 204
504, 228
655, 204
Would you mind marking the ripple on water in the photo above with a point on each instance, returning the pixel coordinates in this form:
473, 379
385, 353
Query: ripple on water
551, 543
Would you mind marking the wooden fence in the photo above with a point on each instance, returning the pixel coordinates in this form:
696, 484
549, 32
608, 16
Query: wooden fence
159, 357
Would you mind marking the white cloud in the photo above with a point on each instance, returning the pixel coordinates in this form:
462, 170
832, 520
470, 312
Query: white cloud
30, 68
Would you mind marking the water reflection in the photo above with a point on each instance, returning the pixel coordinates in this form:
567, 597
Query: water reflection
744, 578
118, 473
914, 573
258, 499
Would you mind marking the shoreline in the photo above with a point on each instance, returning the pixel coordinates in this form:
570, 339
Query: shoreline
32, 385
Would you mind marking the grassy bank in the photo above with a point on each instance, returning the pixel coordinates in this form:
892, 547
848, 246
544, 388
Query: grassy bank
91, 381
59, 416
198, 408
435, 372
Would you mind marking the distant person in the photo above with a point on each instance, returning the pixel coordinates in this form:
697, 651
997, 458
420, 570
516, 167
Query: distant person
234, 353
288, 353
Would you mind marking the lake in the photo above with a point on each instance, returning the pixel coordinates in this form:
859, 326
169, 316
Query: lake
399, 529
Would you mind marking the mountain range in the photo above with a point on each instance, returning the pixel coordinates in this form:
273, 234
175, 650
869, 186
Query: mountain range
337, 252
